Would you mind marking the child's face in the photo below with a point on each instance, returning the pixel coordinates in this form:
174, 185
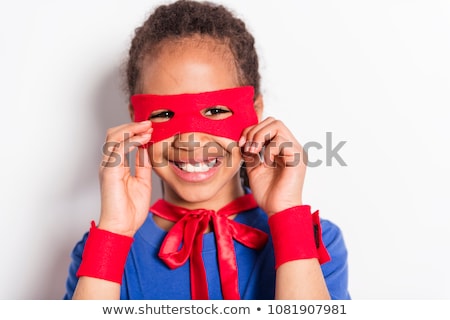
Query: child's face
195, 167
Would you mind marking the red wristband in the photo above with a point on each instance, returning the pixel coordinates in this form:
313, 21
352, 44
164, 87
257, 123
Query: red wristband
297, 234
104, 255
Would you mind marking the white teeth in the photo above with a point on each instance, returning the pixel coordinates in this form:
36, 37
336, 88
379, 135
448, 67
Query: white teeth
197, 167
211, 163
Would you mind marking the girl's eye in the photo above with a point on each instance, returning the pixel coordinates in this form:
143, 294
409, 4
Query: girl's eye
161, 115
217, 113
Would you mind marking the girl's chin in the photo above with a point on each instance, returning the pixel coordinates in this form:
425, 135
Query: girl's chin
196, 194
205, 194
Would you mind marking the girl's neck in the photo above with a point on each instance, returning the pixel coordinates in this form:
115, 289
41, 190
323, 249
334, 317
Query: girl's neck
218, 201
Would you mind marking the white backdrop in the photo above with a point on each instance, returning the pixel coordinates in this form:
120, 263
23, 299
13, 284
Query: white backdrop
375, 74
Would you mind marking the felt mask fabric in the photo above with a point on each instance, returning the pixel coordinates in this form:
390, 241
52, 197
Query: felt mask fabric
187, 112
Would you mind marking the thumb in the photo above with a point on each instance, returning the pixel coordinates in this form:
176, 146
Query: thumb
143, 168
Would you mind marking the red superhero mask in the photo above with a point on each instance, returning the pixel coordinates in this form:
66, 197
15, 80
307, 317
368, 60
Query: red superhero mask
188, 117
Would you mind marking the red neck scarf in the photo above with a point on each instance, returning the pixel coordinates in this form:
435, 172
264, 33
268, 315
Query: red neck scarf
185, 240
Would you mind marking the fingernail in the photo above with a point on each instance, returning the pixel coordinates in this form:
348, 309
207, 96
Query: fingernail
247, 146
241, 141
253, 147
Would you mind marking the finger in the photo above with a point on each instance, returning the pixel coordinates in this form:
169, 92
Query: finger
246, 141
282, 151
114, 154
258, 136
143, 166
124, 131
251, 160
248, 131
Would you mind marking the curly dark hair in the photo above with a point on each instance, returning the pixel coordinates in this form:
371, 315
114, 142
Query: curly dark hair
184, 18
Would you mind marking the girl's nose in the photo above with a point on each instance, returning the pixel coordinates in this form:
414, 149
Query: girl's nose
190, 140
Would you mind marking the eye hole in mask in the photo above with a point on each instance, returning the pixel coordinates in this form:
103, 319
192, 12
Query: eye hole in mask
161, 115
213, 113
217, 113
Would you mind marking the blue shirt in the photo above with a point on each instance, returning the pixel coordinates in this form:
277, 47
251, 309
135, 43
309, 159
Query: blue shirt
147, 277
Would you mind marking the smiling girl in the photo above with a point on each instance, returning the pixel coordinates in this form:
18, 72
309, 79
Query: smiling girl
196, 111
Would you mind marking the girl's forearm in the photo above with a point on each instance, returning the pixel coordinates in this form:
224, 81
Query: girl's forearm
301, 280
96, 289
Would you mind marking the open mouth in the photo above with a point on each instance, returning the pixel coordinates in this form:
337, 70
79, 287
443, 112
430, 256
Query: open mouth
203, 166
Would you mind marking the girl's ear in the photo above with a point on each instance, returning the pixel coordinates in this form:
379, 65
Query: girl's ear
131, 111
259, 107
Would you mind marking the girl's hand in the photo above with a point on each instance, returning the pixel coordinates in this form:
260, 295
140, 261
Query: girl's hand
125, 199
277, 179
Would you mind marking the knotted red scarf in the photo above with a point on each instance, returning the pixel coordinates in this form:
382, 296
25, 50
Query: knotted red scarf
185, 240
